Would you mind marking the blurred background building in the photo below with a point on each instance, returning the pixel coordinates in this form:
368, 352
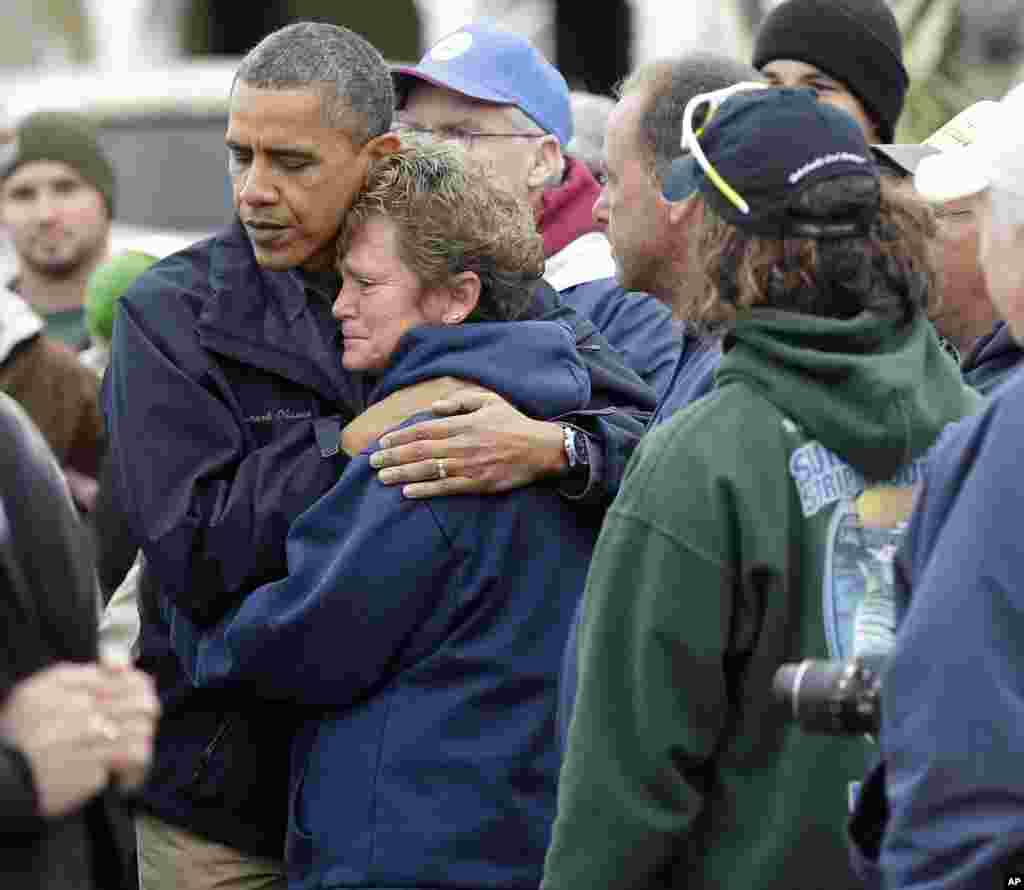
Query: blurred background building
593, 43
156, 73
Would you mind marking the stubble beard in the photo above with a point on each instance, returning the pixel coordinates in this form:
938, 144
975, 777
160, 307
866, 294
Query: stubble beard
647, 274
64, 268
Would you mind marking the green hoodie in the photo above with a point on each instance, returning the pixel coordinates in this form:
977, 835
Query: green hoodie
740, 540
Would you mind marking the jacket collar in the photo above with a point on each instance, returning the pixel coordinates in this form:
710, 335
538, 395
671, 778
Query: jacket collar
234, 272
263, 318
996, 344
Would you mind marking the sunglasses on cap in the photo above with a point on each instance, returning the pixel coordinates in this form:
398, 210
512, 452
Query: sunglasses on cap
690, 139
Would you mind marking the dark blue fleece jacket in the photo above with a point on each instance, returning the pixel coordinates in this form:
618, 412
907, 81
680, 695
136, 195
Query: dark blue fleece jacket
639, 327
992, 359
692, 378
224, 399
425, 637
953, 702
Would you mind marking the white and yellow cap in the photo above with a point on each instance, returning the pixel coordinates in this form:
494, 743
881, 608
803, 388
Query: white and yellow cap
968, 146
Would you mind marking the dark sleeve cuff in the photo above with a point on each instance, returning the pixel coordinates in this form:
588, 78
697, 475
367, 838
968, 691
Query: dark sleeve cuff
581, 486
20, 814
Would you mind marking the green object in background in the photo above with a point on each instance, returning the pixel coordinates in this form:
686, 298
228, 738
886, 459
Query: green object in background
105, 287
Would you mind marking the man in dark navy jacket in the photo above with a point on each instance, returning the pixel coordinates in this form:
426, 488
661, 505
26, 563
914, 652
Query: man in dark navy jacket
72, 730
649, 233
225, 399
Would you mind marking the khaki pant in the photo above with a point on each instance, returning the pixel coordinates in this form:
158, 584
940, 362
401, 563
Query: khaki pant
171, 858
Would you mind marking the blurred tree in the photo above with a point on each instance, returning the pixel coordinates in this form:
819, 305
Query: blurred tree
69, 19
45, 32
993, 30
215, 27
942, 80
956, 51
600, 61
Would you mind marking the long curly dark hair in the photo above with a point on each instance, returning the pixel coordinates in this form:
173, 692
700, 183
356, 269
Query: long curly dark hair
885, 266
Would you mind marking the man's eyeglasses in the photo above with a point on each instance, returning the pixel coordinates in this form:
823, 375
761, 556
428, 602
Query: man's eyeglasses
459, 134
690, 139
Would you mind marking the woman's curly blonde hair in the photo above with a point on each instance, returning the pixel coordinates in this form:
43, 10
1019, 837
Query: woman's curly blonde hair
886, 268
450, 217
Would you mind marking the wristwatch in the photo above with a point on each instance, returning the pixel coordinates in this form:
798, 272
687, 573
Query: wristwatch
576, 451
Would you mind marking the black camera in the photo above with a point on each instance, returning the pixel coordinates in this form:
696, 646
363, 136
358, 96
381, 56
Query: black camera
833, 697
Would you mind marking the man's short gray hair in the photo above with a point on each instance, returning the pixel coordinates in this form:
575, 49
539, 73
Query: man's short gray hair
669, 85
350, 74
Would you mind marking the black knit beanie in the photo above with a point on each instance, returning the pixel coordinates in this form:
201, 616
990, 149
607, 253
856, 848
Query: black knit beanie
65, 137
855, 41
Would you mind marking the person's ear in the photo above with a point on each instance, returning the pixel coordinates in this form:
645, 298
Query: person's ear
463, 292
380, 146
546, 164
686, 212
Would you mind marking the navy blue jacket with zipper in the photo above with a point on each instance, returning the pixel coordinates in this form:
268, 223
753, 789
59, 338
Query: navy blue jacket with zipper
224, 398
430, 634
943, 809
992, 359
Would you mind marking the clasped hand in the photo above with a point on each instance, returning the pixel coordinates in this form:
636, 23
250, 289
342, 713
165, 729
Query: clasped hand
81, 726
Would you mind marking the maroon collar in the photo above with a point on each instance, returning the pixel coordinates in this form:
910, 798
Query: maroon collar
567, 210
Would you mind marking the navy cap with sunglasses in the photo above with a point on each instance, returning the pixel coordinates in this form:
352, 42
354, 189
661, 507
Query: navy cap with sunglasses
757, 148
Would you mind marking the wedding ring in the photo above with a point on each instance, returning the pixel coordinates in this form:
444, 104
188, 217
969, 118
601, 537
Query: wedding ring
442, 473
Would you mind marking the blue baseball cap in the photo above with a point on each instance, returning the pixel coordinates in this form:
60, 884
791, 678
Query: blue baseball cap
492, 65
769, 145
